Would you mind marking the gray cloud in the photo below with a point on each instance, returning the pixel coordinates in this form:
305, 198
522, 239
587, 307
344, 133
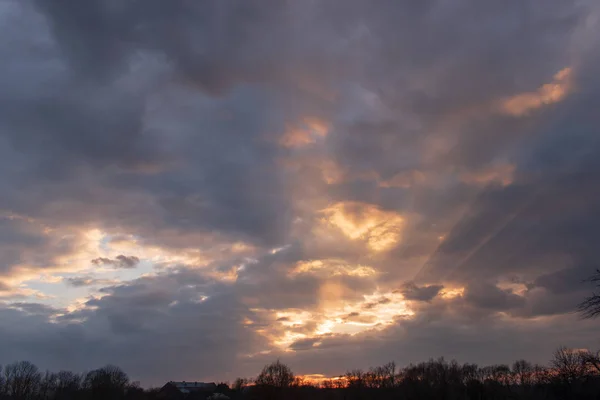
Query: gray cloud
81, 281
120, 261
410, 291
303, 344
489, 296
127, 320
23, 242
34, 308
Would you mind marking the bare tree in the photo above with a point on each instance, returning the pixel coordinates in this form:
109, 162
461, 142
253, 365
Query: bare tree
355, 378
22, 380
327, 384
569, 364
48, 385
590, 307
240, 383
67, 384
2, 386
592, 360
522, 372
107, 382
276, 375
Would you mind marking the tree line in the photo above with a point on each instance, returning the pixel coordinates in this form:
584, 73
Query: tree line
571, 374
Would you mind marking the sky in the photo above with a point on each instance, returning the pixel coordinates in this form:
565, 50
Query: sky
192, 189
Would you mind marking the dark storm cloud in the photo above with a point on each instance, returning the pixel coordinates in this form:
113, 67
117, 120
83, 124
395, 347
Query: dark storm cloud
246, 50
563, 281
213, 44
410, 291
488, 296
120, 261
197, 147
448, 78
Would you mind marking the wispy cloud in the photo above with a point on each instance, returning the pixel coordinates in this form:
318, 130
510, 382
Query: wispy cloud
120, 261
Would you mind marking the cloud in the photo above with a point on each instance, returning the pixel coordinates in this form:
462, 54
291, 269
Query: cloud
488, 296
548, 93
380, 229
81, 281
120, 261
410, 291
304, 344
34, 308
130, 318
308, 133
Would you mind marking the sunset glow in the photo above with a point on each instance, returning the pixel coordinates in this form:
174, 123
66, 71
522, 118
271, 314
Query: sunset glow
379, 229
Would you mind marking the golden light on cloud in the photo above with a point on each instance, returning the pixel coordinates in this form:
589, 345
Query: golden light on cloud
84, 245
549, 93
81, 303
88, 244
332, 267
375, 311
104, 245
23, 291
306, 133
293, 318
451, 293
359, 221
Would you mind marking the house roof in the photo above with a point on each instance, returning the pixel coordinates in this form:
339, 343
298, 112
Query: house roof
187, 387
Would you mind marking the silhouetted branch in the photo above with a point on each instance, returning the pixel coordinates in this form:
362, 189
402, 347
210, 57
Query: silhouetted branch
590, 307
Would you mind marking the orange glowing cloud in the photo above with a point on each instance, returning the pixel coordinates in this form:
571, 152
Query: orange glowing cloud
451, 293
304, 134
332, 267
549, 93
334, 316
359, 221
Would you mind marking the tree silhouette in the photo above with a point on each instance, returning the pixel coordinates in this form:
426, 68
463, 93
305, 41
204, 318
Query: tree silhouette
240, 383
274, 381
107, 382
522, 372
571, 374
21, 380
277, 375
590, 307
67, 385
569, 364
